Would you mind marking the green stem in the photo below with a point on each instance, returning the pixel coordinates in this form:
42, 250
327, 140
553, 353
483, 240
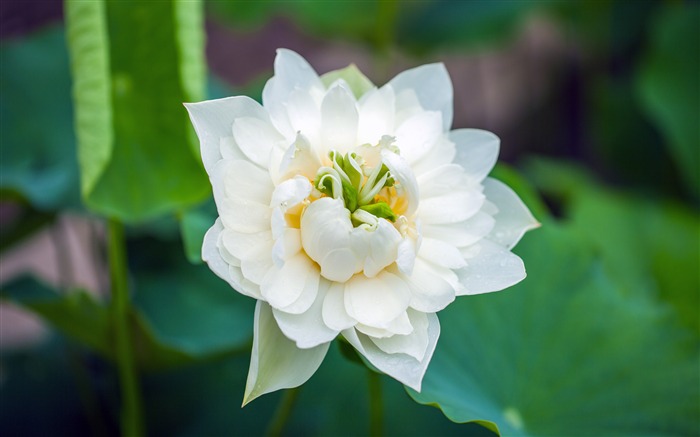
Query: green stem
131, 417
283, 412
376, 404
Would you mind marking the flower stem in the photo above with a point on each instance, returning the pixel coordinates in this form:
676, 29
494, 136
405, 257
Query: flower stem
283, 412
376, 404
131, 416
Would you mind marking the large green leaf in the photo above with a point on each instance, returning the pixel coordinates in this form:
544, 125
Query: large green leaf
648, 246
133, 65
192, 310
564, 353
37, 143
669, 86
190, 316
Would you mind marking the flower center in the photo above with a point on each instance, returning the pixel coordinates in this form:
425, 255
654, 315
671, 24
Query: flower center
367, 192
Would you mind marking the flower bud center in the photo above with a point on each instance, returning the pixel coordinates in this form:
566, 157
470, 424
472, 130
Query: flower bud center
369, 193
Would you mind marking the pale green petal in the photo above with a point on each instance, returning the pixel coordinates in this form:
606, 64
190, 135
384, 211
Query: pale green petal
276, 362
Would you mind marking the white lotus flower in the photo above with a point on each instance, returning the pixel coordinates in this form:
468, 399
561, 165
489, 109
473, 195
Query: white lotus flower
351, 210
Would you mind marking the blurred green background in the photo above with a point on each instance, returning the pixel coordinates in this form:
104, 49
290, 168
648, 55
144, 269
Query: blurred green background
597, 105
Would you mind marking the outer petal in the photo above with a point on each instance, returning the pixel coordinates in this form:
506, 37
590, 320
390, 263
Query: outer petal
492, 268
441, 253
432, 86
451, 207
432, 287
401, 367
477, 151
413, 344
462, 233
416, 136
443, 152
211, 254
307, 329
256, 138
292, 72
275, 361
213, 120
513, 218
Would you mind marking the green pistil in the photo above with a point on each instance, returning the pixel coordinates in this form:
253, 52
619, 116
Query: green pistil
346, 180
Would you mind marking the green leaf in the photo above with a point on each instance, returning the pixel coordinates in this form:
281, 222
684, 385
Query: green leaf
648, 247
77, 314
381, 210
669, 88
176, 319
425, 25
194, 223
564, 353
37, 143
193, 311
133, 66
358, 82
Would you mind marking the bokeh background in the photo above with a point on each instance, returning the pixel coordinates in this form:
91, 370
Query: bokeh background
597, 105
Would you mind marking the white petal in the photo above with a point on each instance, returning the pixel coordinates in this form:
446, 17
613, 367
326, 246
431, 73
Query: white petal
414, 344
418, 134
406, 255
334, 314
243, 216
307, 329
376, 115
383, 244
229, 149
441, 253
256, 138
211, 254
292, 73
339, 120
327, 237
376, 301
399, 326
242, 245
276, 362
286, 246
300, 159
441, 179
258, 263
443, 152
304, 114
243, 180
432, 86
403, 174
213, 119
451, 207
477, 151
461, 233
490, 268
291, 192
308, 294
283, 286
513, 218
432, 287
401, 367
